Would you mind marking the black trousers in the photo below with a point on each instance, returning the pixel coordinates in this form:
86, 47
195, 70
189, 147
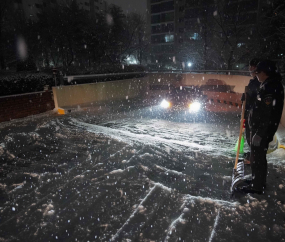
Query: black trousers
258, 163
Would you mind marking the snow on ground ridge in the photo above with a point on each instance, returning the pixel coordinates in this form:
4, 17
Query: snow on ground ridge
190, 199
131, 138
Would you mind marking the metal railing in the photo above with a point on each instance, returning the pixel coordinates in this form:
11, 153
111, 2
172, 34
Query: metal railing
106, 75
112, 76
225, 72
90, 76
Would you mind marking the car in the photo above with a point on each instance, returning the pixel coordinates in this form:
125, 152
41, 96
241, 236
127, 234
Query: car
186, 100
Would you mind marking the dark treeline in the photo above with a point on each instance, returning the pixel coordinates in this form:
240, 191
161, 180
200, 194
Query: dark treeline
66, 36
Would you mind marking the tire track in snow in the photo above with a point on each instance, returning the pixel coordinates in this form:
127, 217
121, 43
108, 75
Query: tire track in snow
196, 211
135, 222
177, 225
173, 226
215, 226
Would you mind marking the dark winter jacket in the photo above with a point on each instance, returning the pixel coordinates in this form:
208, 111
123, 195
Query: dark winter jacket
265, 114
252, 89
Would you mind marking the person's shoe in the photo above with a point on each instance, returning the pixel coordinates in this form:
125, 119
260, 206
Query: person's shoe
246, 160
248, 189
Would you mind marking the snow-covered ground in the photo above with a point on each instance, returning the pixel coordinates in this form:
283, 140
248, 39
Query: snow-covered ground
126, 174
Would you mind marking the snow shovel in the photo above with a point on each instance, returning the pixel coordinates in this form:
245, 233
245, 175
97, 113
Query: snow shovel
241, 144
242, 140
238, 171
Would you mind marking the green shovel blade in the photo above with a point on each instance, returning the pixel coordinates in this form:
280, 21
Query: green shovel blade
241, 145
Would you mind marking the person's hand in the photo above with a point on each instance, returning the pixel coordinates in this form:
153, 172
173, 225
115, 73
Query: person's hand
256, 140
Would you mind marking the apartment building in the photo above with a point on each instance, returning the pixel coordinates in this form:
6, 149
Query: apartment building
176, 24
162, 21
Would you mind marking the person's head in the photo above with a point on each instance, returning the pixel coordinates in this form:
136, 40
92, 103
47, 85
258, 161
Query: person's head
252, 66
265, 69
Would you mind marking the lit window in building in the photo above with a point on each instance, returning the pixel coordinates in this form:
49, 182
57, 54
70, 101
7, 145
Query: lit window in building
195, 36
169, 38
240, 44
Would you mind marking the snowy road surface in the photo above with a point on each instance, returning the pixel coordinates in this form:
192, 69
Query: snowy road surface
125, 174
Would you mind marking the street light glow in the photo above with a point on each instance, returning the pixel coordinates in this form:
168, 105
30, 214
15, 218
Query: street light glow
189, 64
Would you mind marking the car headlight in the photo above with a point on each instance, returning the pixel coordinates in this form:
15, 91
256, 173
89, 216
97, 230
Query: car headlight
165, 104
194, 107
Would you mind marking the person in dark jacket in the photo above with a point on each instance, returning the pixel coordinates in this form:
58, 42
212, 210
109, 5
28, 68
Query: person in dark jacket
263, 119
253, 87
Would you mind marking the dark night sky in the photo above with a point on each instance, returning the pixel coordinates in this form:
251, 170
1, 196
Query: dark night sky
130, 5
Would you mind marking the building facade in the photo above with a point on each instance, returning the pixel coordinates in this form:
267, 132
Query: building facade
202, 34
162, 29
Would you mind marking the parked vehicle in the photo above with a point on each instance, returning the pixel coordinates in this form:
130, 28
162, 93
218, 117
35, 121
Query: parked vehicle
185, 100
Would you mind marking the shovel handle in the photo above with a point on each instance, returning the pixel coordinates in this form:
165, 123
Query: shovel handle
240, 128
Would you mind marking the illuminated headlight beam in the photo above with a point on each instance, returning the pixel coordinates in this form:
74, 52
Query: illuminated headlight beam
165, 104
194, 107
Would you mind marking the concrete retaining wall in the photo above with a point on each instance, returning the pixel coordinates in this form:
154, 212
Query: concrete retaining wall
151, 86
19, 106
23, 105
66, 96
